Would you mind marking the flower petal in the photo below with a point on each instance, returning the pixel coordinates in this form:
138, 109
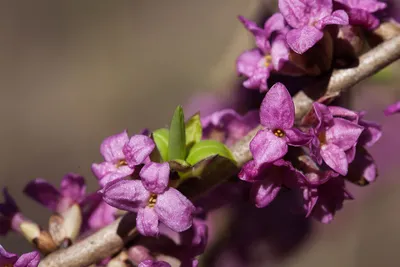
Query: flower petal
151, 263
251, 171
247, 62
323, 115
368, 5
277, 108
371, 134
363, 18
43, 192
275, 23
259, 34
111, 147
101, 169
339, 17
264, 192
267, 147
138, 149
174, 210
280, 52
30, 259
7, 257
392, 109
296, 137
126, 195
121, 172
335, 158
73, 186
155, 177
343, 133
302, 39
147, 222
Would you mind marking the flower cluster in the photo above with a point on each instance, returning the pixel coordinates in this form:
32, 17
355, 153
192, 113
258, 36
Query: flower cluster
331, 140
171, 178
296, 29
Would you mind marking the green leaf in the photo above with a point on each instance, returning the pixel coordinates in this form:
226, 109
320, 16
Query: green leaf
177, 142
207, 148
161, 137
193, 130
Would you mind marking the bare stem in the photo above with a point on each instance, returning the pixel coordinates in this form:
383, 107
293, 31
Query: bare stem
112, 238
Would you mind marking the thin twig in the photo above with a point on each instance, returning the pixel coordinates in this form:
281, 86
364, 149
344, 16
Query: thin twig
111, 239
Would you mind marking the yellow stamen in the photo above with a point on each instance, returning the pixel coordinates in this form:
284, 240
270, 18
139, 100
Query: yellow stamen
122, 162
152, 200
279, 132
268, 60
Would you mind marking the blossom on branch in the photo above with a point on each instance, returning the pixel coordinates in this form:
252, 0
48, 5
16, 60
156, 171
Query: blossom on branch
308, 19
277, 116
152, 199
270, 54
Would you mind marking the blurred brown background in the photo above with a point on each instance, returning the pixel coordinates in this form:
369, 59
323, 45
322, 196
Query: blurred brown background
74, 72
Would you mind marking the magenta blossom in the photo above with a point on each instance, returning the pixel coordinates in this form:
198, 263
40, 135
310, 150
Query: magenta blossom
72, 190
277, 116
392, 109
270, 54
152, 199
151, 263
308, 19
324, 200
333, 139
10, 216
114, 165
268, 180
361, 12
30, 259
228, 126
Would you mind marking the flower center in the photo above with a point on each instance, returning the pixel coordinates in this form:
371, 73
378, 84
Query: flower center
120, 163
322, 138
279, 132
268, 60
152, 200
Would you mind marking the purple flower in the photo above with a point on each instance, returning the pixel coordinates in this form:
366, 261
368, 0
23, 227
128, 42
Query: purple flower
324, 200
96, 212
151, 263
152, 199
277, 116
30, 259
392, 109
228, 126
193, 243
333, 137
72, 190
114, 165
256, 64
268, 180
360, 12
10, 216
309, 18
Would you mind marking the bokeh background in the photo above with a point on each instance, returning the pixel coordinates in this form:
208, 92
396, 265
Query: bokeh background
74, 72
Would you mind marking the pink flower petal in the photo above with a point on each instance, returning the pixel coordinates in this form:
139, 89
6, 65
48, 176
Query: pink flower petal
266, 147
111, 147
126, 195
155, 177
147, 222
264, 192
138, 149
302, 39
277, 108
335, 158
174, 210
